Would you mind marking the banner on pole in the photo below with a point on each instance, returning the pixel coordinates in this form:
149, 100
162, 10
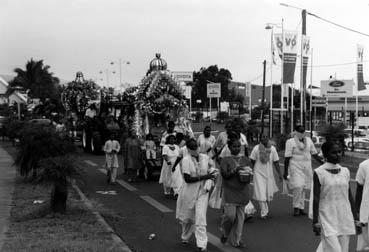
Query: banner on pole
213, 90
286, 44
305, 58
360, 77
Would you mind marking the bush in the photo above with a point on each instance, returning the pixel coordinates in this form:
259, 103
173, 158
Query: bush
222, 116
13, 128
57, 170
199, 116
38, 142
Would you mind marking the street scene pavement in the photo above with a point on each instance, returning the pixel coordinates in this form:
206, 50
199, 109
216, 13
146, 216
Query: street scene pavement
143, 210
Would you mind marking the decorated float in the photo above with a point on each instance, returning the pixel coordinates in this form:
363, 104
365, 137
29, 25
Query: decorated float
158, 99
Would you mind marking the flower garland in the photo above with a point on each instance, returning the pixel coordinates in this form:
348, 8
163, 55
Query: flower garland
159, 93
75, 95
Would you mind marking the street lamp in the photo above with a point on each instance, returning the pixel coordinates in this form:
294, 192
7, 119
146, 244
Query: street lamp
107, 75
270, 26
120, 68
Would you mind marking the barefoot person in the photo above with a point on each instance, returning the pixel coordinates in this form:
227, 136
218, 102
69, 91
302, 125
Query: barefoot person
263, 157
192, 202
333, 206
235, 193
297, 167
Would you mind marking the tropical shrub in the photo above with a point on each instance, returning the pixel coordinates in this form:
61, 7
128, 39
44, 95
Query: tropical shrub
58, 170
38, 141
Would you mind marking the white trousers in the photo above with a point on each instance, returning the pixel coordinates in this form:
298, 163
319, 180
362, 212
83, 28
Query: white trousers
199, 227
298, 197
363, 240
113, 173
264, 209
232, 222
334, 244
150, 154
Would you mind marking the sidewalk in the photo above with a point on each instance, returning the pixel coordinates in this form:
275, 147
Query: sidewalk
7, 177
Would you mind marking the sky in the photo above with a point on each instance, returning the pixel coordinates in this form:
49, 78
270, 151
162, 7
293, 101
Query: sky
87, 35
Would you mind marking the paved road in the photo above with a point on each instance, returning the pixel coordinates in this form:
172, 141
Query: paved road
140, 209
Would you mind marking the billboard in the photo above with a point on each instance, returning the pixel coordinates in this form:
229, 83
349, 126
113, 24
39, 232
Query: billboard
182, 76
336, 88
213, 90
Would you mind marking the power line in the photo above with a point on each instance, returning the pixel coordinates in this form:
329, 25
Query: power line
341, 26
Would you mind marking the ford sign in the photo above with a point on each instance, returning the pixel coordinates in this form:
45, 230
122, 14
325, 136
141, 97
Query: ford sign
336, 83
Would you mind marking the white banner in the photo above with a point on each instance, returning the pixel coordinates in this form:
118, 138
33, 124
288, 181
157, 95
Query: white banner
290, 42
336, 88
182, 76
305, 46
360, 54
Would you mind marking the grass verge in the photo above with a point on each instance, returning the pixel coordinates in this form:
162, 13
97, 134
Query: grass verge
33, 227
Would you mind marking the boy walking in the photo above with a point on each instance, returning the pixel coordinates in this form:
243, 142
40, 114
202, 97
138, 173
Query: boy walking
111, 149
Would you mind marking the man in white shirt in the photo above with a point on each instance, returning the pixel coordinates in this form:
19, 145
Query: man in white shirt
362, 202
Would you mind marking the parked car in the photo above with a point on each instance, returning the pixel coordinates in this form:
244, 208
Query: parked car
317, 139
359, 146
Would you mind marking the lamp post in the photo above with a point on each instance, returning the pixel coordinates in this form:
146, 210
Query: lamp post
107, 75
120, 68
270, 26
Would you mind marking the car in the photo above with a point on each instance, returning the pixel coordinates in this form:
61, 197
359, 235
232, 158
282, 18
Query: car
357, 132
359, 146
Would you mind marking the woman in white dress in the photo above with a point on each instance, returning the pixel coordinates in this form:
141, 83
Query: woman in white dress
192, 202
297, 167
170, 154
262, 157
206, 142
333, 205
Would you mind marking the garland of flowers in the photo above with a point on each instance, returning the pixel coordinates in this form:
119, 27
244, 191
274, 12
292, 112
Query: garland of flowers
129, 95
159, 93
75, 95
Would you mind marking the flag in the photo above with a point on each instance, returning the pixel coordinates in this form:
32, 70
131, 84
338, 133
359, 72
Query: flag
360, 78
273, 52
287, 46
305, 58
289, 56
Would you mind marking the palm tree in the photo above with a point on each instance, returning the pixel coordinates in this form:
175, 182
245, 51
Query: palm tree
37, 79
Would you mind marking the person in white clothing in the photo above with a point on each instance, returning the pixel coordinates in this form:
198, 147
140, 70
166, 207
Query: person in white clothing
262, 157
192, 202
111, 149
206, 142
297, 167
170, 154
362, 203
333, 205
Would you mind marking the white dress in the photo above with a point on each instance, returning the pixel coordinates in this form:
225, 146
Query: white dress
192, 192
335, 214
362, 177
111, 159
264, 181
299, 169
206, 143
166, 170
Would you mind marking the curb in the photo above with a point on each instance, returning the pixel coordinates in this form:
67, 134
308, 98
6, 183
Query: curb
117, 241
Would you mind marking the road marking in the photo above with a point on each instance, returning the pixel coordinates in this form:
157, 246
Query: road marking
121, 182
126, 185
214, 240
156, 204
91, 163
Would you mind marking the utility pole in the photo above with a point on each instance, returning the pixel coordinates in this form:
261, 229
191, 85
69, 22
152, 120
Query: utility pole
262, 101
303, 80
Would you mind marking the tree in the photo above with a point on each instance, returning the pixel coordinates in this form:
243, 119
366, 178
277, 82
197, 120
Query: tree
37, 79
210, 74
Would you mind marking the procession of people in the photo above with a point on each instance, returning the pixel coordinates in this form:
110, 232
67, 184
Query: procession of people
218, 172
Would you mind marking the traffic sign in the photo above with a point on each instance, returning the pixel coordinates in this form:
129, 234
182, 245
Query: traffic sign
213, 90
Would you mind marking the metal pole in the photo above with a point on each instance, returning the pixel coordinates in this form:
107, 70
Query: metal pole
210, 110
107, 77
311, 96
250, 105
271, 87
282, 81
303, 84
262, 100
120, 72
345, 120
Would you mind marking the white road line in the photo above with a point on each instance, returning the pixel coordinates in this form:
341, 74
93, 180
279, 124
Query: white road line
156, 204
126, 185
121, 182
91, 163
214, 240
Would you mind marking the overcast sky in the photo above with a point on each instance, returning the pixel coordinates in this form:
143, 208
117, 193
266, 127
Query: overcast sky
86, 35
